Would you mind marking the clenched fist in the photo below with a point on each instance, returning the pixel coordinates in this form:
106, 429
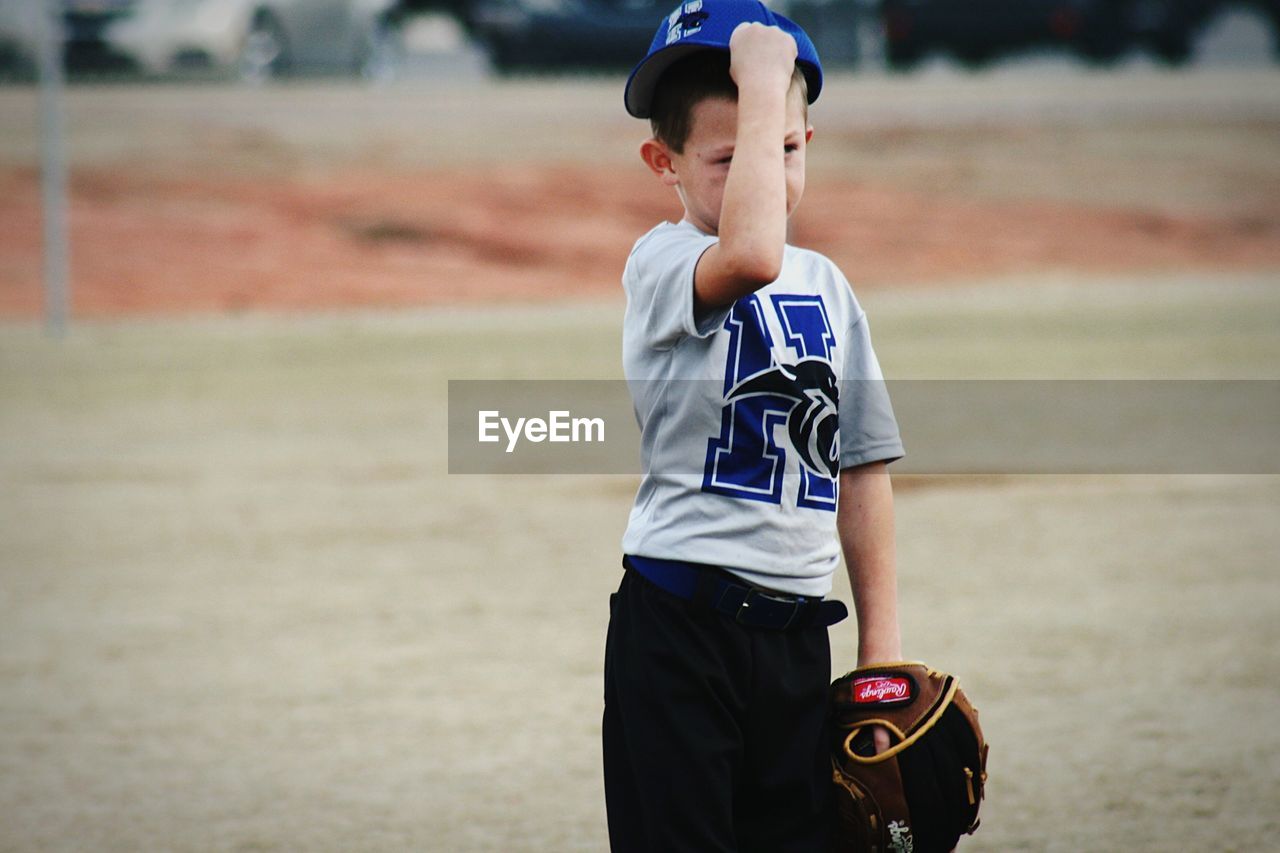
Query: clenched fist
761, 55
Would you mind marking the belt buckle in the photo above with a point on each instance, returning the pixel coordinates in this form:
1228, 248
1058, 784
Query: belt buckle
767, 603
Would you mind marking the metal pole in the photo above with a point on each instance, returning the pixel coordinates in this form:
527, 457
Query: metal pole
53, 171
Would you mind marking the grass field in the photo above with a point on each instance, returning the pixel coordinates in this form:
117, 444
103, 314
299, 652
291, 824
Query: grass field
243, 607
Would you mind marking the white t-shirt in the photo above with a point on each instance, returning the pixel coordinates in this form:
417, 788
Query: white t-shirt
747, 416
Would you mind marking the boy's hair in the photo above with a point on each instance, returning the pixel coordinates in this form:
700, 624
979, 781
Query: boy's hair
689, 82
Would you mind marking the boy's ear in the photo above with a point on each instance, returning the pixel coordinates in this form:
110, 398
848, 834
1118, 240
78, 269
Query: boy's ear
657, 157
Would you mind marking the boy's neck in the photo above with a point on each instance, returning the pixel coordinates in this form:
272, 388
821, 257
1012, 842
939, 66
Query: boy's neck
689, 219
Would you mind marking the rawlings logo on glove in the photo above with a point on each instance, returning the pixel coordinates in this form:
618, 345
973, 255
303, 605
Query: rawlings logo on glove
881, 689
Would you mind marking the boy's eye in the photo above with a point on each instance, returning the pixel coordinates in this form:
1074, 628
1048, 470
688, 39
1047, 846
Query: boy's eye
792, 147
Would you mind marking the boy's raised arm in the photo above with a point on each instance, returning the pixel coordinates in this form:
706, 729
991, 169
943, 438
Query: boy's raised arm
753, 214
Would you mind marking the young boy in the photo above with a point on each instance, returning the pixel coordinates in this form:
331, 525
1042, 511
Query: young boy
744, 355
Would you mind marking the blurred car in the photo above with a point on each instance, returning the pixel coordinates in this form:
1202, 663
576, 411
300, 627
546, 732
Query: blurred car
85, 27
529, 34
461, 10
975, 31
19, 39
1169, 29
260, 39
845, 32
615, 34
84, 24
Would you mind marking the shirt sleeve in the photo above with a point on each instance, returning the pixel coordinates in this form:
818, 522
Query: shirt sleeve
868, 427
659, 284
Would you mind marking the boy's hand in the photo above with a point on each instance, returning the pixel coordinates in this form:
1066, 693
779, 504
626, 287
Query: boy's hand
761, 55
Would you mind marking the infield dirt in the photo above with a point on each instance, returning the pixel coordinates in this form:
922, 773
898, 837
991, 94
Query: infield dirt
210, 199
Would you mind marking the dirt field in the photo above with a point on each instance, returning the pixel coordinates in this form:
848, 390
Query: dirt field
244, 607
209, 199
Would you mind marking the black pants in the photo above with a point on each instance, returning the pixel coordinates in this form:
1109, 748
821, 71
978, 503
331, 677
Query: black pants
715, 735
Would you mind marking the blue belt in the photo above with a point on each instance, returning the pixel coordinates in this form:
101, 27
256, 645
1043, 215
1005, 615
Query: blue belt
751, 606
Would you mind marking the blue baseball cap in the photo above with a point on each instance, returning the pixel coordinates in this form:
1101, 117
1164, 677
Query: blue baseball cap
707, 24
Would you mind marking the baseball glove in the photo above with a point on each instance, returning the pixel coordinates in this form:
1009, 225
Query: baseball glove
921, 794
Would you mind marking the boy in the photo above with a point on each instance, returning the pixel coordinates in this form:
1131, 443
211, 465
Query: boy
743, 354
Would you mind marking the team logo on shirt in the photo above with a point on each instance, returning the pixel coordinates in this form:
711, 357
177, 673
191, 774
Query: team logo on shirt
813, 421
778, 374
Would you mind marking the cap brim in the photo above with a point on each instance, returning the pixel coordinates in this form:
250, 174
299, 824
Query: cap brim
644, 79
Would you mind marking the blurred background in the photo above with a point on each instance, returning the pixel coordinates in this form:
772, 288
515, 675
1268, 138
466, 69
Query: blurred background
244, 605
390, 152
255, 40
